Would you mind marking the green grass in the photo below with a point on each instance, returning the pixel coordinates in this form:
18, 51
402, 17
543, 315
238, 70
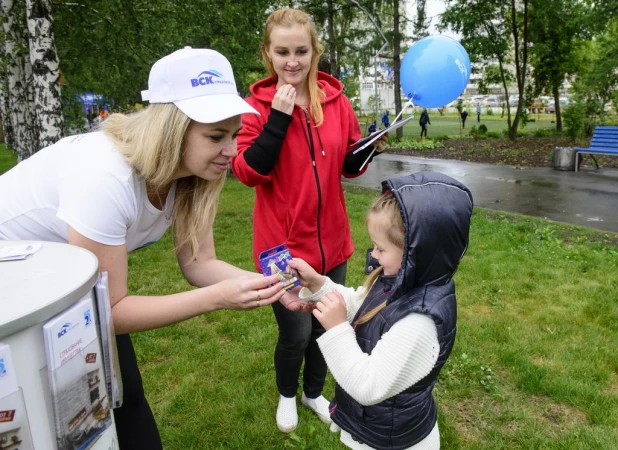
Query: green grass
7, 158
449, 124
534, 364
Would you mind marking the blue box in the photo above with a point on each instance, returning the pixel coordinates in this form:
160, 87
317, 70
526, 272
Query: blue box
276, 261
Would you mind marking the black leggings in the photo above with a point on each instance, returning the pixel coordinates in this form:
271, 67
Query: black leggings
135, 425
424, 130
298, 332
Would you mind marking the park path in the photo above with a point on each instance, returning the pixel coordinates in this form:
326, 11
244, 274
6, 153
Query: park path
587, 198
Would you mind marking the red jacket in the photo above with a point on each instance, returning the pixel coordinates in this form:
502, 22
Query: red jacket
299, 201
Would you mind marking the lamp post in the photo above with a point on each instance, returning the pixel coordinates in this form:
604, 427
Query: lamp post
375, 70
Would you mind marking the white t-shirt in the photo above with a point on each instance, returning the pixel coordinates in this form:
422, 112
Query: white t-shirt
84, 182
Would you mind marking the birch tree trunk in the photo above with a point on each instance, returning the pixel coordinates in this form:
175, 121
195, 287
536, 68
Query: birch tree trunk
19, 78
45, 73
7, 128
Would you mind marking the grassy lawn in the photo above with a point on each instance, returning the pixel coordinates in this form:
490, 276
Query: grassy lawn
534, 364
449, 124
7, 158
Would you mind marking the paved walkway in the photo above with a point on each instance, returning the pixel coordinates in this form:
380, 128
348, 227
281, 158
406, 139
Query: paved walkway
588, 198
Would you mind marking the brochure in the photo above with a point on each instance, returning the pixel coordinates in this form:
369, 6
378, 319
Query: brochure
375, 136
14, 425
111, 363
76, 377
15, 252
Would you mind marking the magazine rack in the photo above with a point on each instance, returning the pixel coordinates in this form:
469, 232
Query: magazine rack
33, 291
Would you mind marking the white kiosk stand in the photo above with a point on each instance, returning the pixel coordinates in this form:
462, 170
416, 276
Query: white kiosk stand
32, 291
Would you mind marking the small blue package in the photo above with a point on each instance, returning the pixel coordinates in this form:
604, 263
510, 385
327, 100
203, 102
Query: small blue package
276, 261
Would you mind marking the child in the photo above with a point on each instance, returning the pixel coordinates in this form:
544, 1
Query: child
403, 320
373, 127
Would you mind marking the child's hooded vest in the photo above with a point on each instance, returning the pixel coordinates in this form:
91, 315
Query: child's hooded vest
436, 211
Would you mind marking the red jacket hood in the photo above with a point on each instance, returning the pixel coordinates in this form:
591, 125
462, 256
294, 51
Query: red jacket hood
264, 90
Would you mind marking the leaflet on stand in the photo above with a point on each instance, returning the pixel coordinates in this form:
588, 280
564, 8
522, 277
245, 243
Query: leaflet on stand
76, 377
111, 362
14, 425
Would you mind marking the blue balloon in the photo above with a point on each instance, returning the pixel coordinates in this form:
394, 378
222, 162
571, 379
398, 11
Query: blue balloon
435, 71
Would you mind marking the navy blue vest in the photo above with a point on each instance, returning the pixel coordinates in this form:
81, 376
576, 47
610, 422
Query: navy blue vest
407, 418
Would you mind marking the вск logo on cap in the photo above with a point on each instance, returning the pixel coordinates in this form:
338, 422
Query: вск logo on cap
204, 80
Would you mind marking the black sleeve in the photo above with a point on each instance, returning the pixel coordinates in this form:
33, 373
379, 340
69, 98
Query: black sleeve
262, 155
353, 162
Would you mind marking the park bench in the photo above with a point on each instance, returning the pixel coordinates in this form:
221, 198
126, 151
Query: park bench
604, 142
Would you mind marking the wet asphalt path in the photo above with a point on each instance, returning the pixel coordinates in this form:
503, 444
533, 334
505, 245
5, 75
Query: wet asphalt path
588, 198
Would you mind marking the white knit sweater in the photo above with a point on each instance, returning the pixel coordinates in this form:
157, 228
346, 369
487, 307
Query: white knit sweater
403, 356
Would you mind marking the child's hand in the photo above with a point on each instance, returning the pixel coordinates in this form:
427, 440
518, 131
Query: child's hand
307, 276
331, 310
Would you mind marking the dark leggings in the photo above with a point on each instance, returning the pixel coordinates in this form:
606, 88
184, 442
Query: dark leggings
135, 425
298, 332
424, 130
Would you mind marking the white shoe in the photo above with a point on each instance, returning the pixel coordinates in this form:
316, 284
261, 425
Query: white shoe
287, 417
319, 405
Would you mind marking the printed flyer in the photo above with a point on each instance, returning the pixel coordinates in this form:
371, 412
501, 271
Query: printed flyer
14, 426
76, 377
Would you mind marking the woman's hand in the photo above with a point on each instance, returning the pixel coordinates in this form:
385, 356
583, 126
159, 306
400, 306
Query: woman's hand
381, 143
307, 275
284, 99
291, 301
331, 310
249, 292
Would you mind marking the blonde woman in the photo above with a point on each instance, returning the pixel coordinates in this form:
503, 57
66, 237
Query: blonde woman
120, 189
295, 154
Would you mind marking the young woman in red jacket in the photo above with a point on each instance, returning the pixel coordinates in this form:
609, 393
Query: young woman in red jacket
294, 154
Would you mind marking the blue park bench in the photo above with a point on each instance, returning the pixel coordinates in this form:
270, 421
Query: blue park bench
604, 142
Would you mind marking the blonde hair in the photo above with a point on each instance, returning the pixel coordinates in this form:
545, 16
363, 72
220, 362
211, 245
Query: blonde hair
288, 17
394, 231
151, 141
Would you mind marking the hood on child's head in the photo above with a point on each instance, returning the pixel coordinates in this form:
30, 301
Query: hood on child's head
436, 211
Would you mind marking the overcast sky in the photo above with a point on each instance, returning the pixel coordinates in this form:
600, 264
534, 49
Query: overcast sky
433, 8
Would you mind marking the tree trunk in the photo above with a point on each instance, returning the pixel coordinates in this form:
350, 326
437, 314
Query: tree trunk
5, 117
556, 93
19, 77
331, 40
46, 76
397, 63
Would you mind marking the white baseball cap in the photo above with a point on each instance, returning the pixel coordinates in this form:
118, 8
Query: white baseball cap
200, 82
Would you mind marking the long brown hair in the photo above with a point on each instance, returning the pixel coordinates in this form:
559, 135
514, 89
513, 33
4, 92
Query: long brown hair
385, 205
288, 17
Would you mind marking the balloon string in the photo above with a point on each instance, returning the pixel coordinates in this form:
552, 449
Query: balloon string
408, 103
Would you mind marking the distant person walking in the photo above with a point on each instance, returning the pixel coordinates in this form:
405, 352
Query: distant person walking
478, 112
373, 127
386, 121
464, 116
423, 122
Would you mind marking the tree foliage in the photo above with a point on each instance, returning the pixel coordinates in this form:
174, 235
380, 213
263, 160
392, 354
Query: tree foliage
495, 31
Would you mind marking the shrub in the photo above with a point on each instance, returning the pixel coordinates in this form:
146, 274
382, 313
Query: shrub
482, 128
574, 117
494, 134
414, 144
441, 138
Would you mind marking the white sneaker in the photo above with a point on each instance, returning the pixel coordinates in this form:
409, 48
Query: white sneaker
319, 405
287, 417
